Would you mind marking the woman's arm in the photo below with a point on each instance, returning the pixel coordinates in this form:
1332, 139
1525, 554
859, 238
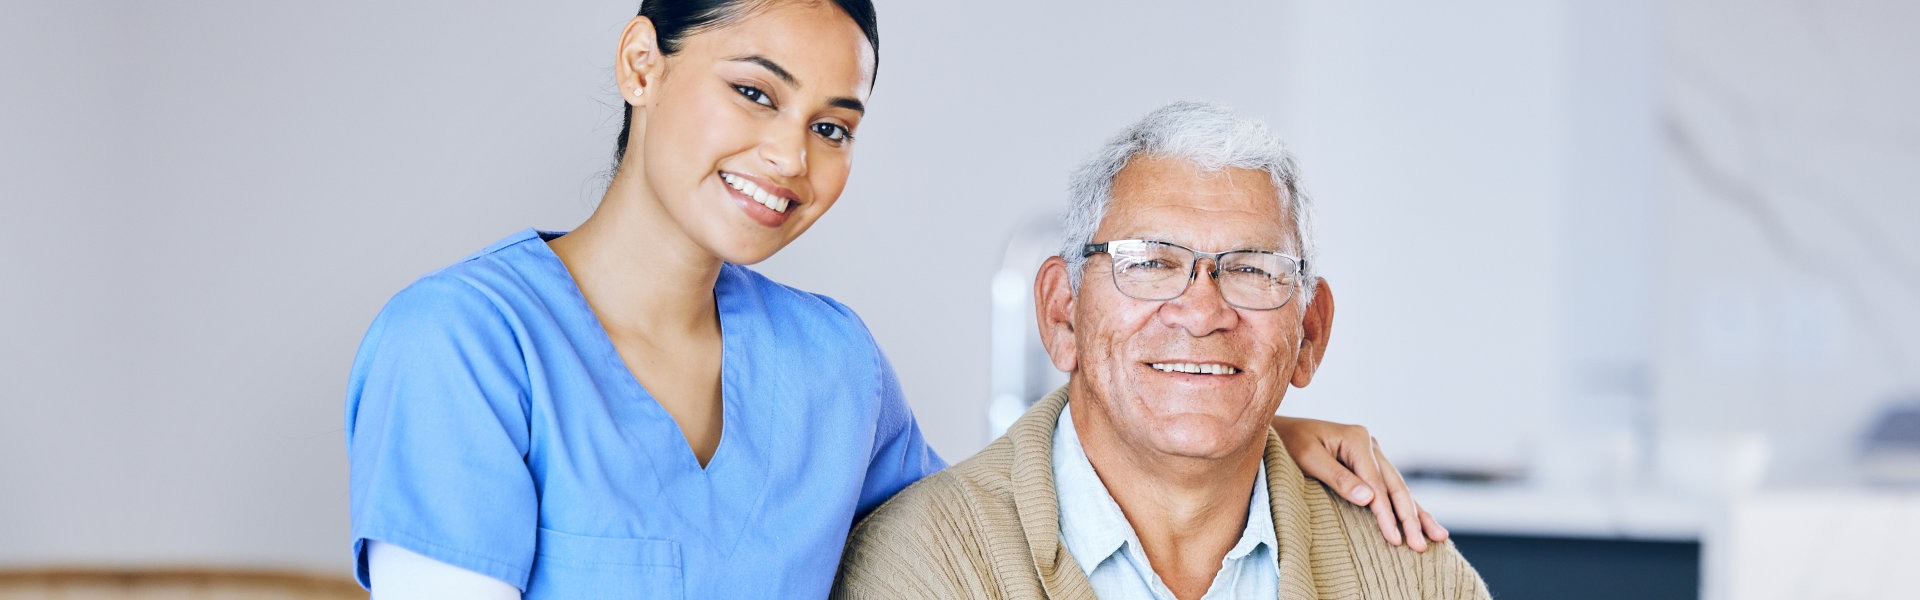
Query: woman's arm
1347, 458
401, 574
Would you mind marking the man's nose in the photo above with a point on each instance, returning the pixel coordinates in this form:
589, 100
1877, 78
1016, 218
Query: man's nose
1201, 310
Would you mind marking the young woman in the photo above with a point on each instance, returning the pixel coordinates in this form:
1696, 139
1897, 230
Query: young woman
624, 409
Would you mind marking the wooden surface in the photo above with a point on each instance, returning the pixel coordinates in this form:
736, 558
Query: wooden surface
157, 584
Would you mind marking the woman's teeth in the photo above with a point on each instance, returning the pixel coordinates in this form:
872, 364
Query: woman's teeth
776, 203
1194, 368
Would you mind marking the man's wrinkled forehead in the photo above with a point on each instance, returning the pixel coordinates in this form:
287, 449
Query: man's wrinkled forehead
1173, 200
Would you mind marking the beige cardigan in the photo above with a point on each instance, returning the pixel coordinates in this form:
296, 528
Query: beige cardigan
989, 527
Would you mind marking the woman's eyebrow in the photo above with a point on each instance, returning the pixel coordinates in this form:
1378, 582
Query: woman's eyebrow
849, 104
787, 76
768, 64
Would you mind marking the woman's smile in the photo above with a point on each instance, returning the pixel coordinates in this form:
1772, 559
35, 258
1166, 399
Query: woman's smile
765, 202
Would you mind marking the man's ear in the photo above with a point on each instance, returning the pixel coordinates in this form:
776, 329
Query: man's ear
1053, 308
639, 63
1316, 327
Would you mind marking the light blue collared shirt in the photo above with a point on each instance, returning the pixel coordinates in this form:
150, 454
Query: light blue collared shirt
1104, 544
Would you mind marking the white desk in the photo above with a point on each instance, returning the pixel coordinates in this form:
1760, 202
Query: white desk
1828, 543
1508, 509
1847, 542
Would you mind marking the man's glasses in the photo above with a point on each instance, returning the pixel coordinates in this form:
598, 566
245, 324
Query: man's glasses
1250, 279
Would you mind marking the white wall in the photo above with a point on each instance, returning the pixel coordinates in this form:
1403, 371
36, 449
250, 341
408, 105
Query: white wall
206, 202
61, 299
1791, 272
1434, 136
223, 193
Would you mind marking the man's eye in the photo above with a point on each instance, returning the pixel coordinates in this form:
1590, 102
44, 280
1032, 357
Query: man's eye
1149, 264
833, 133
753, 94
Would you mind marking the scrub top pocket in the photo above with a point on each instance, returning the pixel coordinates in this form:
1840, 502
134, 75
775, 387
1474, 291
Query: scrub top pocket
578, 566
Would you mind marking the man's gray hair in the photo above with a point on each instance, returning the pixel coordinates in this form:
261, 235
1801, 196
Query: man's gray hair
1210, 137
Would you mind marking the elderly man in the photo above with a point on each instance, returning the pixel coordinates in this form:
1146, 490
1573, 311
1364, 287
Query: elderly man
1183, 305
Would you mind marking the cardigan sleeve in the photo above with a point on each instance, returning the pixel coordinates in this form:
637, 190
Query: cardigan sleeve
901, 552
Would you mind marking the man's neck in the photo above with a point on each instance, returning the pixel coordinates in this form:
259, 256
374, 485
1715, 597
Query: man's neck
1187, 512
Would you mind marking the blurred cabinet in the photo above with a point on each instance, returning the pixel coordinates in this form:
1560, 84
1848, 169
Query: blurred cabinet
1537, 542
1569, 568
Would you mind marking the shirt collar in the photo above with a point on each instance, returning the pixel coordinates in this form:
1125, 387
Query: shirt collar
1259, 520
1091, 524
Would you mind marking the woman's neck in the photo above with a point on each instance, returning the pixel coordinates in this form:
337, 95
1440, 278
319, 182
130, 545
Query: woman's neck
638, 269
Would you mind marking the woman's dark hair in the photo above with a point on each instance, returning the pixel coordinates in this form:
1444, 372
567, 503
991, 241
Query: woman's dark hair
674, 20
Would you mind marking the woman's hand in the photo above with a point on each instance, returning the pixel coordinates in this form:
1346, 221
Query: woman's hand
1347, 458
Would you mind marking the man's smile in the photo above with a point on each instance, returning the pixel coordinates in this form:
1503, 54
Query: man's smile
1195, 368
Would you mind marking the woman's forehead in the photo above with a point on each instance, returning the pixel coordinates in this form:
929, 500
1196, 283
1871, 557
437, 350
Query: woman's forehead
814, 42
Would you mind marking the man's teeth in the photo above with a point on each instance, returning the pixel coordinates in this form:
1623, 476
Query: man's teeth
777, 203
1196, 369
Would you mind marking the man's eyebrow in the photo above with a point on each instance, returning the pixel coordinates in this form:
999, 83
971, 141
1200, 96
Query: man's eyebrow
768, 64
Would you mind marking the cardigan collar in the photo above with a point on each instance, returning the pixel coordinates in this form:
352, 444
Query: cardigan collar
1038, 506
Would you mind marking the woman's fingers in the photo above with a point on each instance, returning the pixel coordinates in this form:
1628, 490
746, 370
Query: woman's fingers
1320, 463
1404, 508
1350, 461
1364, 458
1355, 446
1383, 512
1434, 531
1357, 451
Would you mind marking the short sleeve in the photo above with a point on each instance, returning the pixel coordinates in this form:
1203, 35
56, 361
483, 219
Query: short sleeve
437, 433
901, 455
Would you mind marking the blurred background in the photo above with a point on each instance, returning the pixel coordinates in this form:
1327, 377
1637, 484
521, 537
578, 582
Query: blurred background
1631, 286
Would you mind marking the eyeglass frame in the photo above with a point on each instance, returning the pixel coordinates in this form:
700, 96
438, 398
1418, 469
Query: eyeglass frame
1193, 272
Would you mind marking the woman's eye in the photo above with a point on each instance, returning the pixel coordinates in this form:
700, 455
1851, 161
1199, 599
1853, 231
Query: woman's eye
832, 132
753, 94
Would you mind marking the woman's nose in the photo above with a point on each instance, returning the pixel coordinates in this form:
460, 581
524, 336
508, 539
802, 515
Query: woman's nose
786, 152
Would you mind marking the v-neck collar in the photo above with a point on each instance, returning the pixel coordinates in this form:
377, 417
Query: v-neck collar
602, 348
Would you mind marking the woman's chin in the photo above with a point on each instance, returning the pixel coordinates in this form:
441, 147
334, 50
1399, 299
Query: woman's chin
749, 251
748, 260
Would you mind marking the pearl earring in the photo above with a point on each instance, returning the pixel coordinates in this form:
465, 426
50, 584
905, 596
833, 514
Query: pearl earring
638, 91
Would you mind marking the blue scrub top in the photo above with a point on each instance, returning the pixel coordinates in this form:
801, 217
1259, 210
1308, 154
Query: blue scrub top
492, 426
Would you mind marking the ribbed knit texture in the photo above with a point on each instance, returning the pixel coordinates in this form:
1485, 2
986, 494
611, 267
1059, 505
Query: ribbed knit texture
989, 528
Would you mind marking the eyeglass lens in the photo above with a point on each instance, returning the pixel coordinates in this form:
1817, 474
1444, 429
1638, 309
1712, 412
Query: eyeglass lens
1158, 271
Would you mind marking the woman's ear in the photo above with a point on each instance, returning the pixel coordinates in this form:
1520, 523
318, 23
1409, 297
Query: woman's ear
639, 62
1053, 308
1316, 327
